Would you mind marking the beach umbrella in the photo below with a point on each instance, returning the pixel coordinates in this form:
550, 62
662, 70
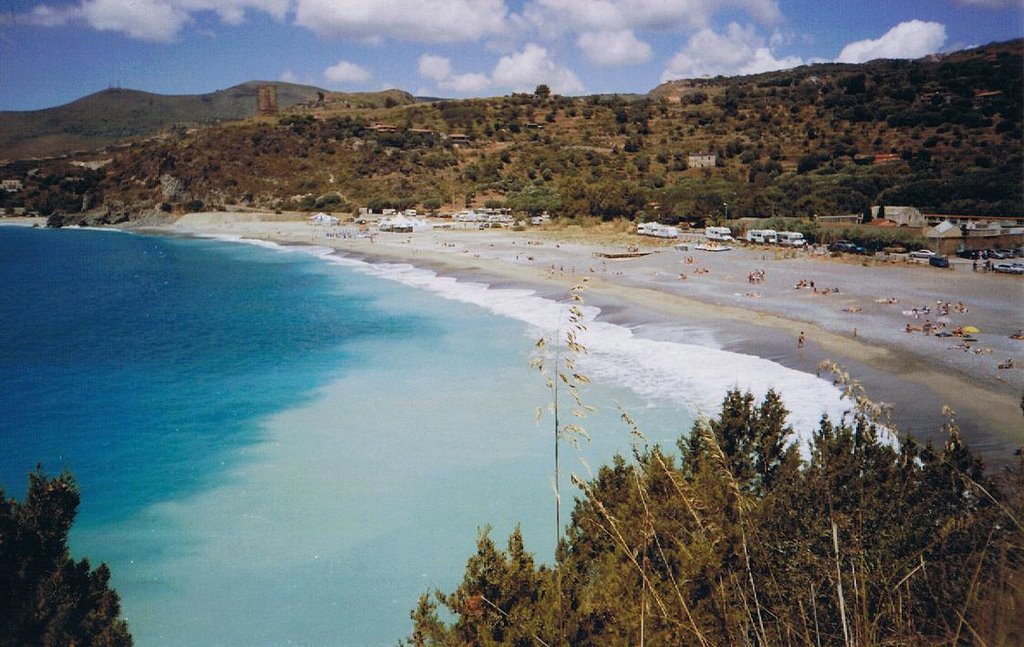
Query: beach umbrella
970, 330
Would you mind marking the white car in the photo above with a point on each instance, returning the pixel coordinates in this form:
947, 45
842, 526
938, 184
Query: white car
923, 254
1009, 268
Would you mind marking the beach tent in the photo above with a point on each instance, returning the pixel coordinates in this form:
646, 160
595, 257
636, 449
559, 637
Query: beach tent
323, 219
402, 224
970, 330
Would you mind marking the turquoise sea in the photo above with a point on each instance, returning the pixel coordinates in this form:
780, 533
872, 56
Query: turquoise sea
272, 449
279, 446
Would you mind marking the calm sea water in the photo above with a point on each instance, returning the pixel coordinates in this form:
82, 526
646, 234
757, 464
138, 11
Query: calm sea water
276, 446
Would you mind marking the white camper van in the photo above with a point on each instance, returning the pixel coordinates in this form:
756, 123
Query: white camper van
791, 239
657, 230
718, 233
762, 236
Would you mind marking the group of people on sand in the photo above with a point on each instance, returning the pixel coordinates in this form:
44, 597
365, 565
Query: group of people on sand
938, 329
757, 276
804, 284
929, 327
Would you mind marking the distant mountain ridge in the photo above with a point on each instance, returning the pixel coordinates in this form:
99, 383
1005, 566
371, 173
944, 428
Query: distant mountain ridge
105, 117
942, 134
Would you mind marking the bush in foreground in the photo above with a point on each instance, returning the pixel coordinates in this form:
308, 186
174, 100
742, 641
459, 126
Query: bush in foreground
742, 541
46, 597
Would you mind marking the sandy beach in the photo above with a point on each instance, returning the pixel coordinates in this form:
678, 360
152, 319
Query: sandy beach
855, 311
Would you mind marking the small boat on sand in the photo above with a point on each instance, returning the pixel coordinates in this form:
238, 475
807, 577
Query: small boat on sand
712, 246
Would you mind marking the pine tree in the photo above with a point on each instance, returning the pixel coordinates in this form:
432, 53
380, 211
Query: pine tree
46, 597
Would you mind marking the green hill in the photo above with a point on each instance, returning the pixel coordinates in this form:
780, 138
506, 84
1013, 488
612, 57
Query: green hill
107, 116
942, 133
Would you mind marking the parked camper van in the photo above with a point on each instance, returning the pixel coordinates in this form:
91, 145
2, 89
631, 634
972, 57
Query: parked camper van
657, 230
791, 239
762, 236
718, 233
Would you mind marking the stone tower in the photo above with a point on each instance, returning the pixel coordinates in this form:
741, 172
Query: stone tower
266, 99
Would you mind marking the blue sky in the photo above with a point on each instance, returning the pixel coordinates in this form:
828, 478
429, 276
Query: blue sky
55, 51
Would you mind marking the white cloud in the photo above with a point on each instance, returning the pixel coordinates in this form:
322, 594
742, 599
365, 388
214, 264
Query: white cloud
406, 20
912, 39
739, 50
47, 16
436, 68
144, 19
471, 83
346, 72
525, 70
662, 15
518, 72
288, 76
439, 69
159, 21
614, 47
148, 20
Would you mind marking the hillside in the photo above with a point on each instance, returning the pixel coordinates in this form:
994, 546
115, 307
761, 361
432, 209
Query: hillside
943, 134
102, 118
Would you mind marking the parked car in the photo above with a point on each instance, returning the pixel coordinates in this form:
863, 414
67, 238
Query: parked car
992, 254
969, 254
846, 246
1009, 268
938, 261
922, 253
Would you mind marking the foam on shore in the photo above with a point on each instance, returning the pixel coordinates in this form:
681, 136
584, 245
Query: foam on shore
695, 376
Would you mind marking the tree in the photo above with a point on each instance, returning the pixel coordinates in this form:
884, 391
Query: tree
46, 597
542, 91
535, 200
745, 543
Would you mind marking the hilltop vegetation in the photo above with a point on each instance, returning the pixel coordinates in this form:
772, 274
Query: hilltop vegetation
943, 134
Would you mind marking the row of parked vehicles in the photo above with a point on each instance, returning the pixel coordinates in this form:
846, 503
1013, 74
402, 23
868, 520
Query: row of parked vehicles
796, 239
991, 254
1008, 266
758, 236
1012, 267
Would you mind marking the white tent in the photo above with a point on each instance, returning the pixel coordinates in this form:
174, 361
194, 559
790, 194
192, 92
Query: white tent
402, 224
323, 219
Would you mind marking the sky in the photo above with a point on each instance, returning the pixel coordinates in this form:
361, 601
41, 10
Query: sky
55, 51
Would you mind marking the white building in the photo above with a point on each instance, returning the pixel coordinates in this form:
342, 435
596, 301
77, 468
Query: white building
902, 216
702, 160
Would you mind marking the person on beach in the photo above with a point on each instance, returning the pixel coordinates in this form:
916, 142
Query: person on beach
800, 340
